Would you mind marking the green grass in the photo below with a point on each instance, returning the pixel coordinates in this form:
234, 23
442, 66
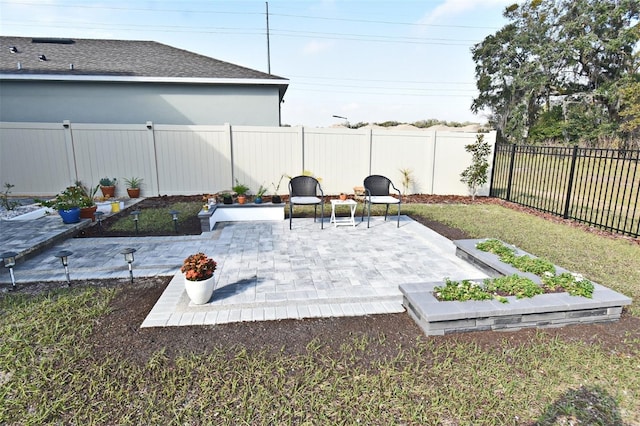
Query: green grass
157, 219
48, 374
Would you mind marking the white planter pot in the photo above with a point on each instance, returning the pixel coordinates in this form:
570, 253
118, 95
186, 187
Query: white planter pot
200, 292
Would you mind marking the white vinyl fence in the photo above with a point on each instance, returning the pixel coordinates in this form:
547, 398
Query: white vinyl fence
41, 159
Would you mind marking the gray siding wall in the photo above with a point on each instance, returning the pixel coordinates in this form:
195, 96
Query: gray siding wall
129, 103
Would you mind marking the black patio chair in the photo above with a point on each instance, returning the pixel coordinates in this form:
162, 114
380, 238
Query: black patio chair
377, 191
304, 190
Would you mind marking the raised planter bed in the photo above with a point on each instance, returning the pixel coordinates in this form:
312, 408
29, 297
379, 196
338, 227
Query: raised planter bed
239, 212
545, 310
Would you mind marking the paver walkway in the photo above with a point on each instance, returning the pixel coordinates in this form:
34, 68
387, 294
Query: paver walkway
265, 271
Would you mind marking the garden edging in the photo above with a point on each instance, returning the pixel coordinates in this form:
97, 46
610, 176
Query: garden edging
545, 310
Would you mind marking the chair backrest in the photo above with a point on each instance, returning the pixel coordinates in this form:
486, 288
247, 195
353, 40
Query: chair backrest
377, 185
303, 186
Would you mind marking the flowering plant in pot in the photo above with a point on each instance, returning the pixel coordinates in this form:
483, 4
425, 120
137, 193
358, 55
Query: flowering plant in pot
68, 203
198, 272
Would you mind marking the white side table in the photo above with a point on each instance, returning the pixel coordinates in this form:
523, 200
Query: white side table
343, 221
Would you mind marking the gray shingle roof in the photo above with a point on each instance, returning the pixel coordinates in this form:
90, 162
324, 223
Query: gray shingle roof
114, 58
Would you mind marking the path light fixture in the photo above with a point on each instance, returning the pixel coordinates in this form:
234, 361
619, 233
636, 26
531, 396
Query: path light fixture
9, 259
174, 216
128, 257
63, 256
136, 215
99, 219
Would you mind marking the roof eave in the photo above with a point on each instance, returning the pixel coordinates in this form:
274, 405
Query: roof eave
143, 79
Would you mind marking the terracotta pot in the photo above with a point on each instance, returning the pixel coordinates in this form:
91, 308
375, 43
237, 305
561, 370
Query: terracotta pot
108, 191
133, 192
88, 213
242, 199
200, 292
343, 197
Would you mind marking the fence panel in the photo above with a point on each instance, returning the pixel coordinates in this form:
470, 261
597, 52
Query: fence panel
43, 158
193, 159
386, 161
599, 187
262, 154
339, 158
119, 151
34, 158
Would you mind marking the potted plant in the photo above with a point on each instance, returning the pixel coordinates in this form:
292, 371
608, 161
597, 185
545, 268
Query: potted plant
133, 186
198, 272
241, 189
67, 203
88, 205
108, 187
275, 198
259, 193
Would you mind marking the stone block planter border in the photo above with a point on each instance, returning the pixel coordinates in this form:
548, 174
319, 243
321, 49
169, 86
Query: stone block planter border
545, 310
239, 212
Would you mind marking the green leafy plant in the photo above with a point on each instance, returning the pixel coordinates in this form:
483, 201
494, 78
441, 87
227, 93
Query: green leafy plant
407, 180
261, 191
105, 181
461, 291
90, 191
475, 175
495, 288
4, 198
198, 267
514, 285
240, 188
572, 283
133, 182
276, 188
71, 197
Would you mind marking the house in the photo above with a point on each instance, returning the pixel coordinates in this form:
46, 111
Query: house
126, 82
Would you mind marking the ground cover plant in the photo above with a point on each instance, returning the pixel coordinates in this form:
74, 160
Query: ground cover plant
78, 356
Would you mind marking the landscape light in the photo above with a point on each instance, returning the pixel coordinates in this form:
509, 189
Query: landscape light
128, 257
63, 256
135, 214
174, 216
99, 219
9, 259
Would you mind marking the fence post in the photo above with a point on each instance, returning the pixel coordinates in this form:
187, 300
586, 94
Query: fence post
72, 167
567, 199
511, 165
493, 168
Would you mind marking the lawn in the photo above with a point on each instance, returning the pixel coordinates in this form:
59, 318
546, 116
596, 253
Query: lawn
377, 372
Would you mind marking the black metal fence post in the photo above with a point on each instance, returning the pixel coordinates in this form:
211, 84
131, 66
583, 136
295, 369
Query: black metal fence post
511, 164
567, 199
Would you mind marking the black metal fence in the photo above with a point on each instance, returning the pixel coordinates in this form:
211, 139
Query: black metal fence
599, 187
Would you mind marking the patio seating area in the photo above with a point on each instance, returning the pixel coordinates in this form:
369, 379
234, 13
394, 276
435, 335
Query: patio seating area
266, 271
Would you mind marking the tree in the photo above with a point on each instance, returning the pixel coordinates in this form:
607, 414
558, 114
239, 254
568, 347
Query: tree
553, 50
475, 175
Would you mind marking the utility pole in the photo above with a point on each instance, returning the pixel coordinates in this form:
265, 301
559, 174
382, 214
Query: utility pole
268, 47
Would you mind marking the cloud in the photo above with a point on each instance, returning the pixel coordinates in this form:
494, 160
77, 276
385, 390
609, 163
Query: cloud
451, 8
315, 46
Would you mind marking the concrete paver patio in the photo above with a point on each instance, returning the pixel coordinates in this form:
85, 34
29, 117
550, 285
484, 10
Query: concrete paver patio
266, 271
